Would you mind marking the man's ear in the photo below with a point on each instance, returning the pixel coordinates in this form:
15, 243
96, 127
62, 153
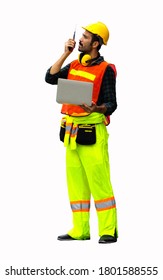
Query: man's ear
95, 44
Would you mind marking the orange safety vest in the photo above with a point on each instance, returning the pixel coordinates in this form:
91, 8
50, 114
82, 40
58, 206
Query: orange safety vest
92, 74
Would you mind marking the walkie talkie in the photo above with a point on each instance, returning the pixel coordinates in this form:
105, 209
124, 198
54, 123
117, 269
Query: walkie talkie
70, 48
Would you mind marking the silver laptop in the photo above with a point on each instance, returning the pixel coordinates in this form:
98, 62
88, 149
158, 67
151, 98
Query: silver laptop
74, 92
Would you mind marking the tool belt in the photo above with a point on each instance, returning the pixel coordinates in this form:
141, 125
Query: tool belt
86, 133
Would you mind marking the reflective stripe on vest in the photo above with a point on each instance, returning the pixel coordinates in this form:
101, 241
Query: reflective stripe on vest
80, 206
105, 204
84, 74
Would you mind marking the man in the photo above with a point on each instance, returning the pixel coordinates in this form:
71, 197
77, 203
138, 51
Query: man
87, 164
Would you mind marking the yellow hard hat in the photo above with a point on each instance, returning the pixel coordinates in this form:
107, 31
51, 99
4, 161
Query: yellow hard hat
99, 29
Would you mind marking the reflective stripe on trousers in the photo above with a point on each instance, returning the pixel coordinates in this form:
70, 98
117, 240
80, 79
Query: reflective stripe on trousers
80, 206
105, 204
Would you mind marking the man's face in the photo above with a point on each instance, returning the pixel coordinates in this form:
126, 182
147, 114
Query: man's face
85, 42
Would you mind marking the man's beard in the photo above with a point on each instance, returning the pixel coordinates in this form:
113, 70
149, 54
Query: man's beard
81, 49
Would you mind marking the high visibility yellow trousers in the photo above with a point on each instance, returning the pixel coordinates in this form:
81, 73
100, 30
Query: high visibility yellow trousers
88, 173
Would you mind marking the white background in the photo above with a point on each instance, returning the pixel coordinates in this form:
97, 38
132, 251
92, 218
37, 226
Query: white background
34, 207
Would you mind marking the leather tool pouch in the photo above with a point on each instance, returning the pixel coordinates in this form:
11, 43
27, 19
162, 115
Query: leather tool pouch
86, 134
